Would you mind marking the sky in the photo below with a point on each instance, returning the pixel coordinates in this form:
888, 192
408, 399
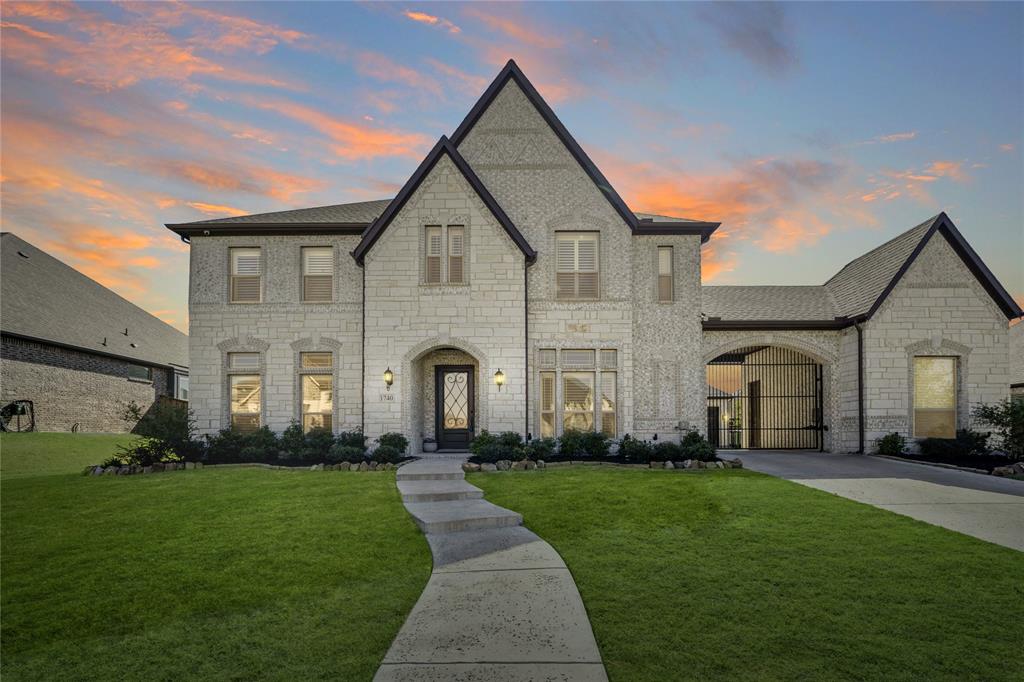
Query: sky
812, 131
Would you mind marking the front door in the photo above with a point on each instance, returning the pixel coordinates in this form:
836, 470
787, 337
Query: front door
454, 408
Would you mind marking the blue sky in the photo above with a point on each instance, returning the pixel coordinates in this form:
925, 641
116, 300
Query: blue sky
813, 131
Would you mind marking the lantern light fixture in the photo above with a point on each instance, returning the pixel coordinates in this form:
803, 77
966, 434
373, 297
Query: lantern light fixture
499, 379
389, 378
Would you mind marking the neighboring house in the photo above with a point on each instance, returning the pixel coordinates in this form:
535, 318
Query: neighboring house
76, 349
508, 287
1017, 360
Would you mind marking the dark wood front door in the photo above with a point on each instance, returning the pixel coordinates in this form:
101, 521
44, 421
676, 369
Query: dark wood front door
454, 407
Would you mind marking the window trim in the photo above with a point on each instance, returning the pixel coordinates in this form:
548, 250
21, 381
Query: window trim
231, 274
575, 236
955, 362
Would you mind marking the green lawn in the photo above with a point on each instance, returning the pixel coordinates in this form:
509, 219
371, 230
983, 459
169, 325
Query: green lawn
209, 574
735, 575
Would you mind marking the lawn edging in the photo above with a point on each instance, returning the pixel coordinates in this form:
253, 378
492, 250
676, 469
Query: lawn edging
160, 467
529, 465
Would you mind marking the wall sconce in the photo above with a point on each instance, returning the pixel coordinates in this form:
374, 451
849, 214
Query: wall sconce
499, 379
389, 378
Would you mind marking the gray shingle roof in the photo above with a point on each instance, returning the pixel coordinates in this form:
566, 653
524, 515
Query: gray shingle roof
861, 281
655, 218
767, 302
358, 212
42, 298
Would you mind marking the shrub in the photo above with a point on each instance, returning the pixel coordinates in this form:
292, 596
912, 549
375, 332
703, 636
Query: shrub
482, 440
319, 442
1006, 418
666, 451
169, 421
695, 446
575, 443
352, 439
231, 446
966, 444
635, 450
892, 445
146, 452
510, 439
308, 447
494, 451
386, 453
394, 440
346, 453
112, 461
292, 442
540, 448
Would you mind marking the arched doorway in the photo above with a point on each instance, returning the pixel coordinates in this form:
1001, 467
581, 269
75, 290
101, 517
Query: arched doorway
765, 397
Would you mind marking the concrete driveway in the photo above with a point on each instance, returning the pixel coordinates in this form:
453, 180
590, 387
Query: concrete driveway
986, 507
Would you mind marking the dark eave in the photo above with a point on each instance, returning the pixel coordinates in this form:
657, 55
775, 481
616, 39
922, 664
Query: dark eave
443, 147
778, 325
189, 230
93, 351
649, 227
512, 71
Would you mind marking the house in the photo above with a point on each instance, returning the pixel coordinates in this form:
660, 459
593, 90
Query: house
508, 286
1017, 361
76, 349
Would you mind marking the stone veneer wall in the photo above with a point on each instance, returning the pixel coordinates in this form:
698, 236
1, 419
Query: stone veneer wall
1016, 343
71, 387
428, 398
406, 319
278, 327
937, 308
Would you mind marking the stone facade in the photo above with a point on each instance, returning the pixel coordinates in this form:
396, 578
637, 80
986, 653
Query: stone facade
75, 390
1016, 343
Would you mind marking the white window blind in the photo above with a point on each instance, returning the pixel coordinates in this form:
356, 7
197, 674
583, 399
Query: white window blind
546, 358
432, 248
576, 265
456, 254
317, 274
547, 404
246, 269
608, 380
316, 360
583, 357
665, 274
244, 361
609, 359
578, 401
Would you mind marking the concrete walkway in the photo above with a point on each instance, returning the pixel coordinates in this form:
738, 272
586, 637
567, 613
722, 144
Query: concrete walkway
500, 603
985, 507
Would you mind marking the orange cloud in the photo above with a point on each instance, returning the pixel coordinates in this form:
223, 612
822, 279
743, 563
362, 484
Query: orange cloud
224, 176
424, 18
517, 29
1008, 147
383, 68
215, 209
468, 82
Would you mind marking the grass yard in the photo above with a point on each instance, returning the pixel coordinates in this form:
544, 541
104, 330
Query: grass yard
210, 574
735, 575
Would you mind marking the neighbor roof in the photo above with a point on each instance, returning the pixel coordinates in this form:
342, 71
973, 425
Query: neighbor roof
360, 212
45, 300
852, 294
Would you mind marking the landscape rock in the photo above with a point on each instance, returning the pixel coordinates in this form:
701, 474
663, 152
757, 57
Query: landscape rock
88, 470
158, 466
344, 466
504, 464
530, 465
374, 466
97, 471
737, 463
541, 464
1003, 471
147, 470
199, 465
317, 467
110, 471
364, 466
657, 465
124, 471
190, 465
670, 465
488, 467
520, 465
470, 467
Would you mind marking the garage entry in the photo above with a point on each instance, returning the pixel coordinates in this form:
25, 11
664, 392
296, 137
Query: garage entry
765, 397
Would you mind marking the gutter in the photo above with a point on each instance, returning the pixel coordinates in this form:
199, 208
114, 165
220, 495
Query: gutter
362, 361
860, 388
526, 345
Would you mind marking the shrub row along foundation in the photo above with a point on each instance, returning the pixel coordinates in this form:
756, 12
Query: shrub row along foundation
529, 465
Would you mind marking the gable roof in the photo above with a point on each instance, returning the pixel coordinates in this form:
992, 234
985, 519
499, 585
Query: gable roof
442, 148
356, 213
512, 72
43, 299
851, 295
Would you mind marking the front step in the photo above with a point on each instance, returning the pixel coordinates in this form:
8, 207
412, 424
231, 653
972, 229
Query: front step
438, 490
459, 515
429, 476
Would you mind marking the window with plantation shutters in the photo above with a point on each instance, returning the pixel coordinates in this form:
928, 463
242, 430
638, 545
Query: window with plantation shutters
547, 404
546, 358
246, 271
934, 397
576, 266
456, 255
578, 401
432, 249
608, 380
666, 279
317, 274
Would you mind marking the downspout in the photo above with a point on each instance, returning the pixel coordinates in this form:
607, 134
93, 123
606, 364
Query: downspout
860, 387
526, 343
362, 363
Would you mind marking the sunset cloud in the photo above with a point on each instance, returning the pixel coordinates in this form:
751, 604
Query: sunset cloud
517, 28
892, 137
214, 209
758, 31
424, 18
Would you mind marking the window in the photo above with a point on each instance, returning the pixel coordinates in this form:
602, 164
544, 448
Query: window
609, 359
432, 272
140, 373
578, 401
547, 404
608, 403
578, 358
317, 406
934, 397
546, 357
245, 401
456, 255
665, 276
244, 361
181, 386
317, 274
576, 266
246, 268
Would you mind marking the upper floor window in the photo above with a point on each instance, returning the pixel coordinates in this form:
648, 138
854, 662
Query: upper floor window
432, 270
246, 271
140, 372
576, 266
666, 279
445, 254
934, 397
456, 254
317, 274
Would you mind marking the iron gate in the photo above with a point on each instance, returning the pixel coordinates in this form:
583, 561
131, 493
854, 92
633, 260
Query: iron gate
765, 397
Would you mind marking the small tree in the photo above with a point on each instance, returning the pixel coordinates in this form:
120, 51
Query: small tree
1006, 419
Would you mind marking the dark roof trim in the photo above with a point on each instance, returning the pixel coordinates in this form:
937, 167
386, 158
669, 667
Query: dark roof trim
93, 351
764, 325
662, 228
1017, 385
443, 146
512, 71
943, 224
187, 230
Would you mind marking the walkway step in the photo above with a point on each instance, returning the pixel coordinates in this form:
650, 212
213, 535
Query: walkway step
438, 490
460, 515
429, 476
431, 470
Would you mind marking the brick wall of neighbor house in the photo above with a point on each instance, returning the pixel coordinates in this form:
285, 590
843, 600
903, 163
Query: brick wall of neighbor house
1016, 344
406, 319
937, 308
71, 387
279, 327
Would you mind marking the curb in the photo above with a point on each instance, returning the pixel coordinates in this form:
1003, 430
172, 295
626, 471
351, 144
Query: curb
939, 465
